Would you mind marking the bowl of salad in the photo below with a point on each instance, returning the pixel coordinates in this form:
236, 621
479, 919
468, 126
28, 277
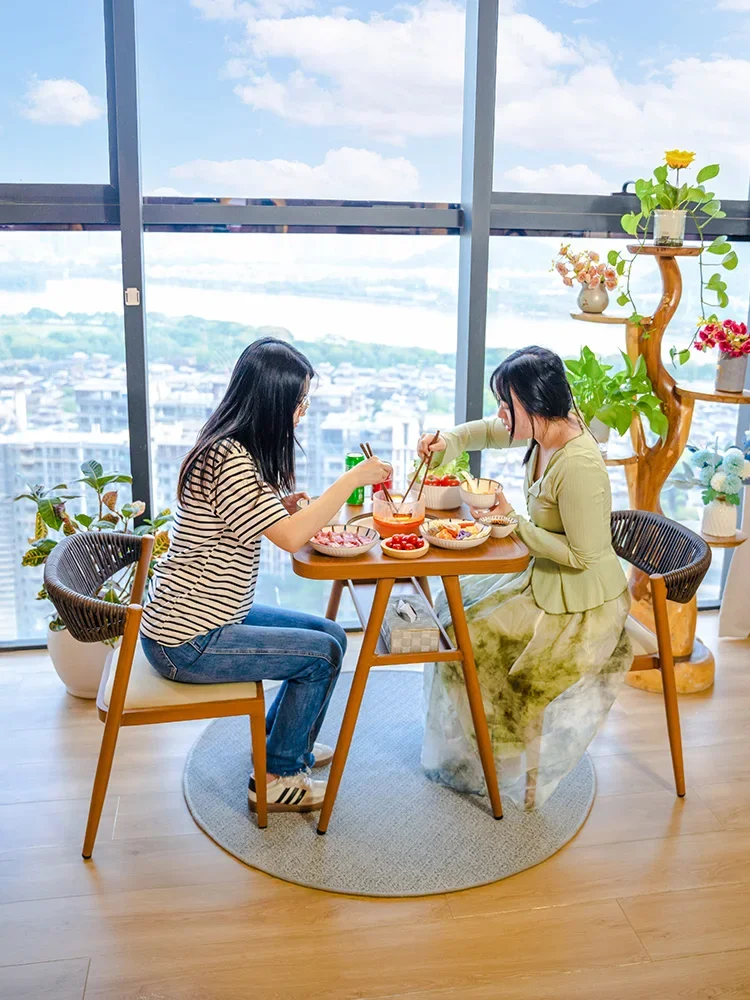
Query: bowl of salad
344, 541
442, 492
453, 533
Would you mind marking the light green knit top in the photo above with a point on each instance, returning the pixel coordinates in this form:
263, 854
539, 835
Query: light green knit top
568, 533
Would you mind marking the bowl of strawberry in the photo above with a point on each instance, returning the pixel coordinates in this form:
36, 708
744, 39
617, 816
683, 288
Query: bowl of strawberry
405, 546
442, 492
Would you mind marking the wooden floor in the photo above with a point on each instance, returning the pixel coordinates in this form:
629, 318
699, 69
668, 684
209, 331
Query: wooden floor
651, 900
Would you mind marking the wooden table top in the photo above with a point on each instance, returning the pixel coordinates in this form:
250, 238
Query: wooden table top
497, 555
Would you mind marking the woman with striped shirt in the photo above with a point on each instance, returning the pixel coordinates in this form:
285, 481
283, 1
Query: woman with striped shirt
200, 625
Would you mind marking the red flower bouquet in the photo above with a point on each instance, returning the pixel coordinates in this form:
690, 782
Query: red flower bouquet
729, 336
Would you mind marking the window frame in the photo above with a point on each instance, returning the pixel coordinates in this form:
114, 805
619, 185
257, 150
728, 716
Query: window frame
482, 213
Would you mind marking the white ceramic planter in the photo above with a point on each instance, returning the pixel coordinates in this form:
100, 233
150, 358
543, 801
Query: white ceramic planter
719, 519
600, 431
730, 373
79, 665
669, 227
593, 300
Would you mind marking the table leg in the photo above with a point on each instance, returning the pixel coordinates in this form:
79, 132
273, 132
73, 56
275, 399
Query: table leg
334, 599
471, 679
424, 583
349, 721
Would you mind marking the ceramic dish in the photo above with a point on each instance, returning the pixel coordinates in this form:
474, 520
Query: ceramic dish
429, 528
345, 552
442, 497
500, 526
410, 554
485, 498
364, 521
305, 502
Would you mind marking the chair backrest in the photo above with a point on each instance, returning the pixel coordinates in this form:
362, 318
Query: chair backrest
74, 573
658, 546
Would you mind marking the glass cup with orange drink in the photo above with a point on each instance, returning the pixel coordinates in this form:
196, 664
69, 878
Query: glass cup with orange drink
402, 517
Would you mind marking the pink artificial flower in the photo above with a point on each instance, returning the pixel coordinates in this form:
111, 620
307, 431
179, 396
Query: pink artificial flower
594, 256
595, 281
562, 269
611, 283
583, 277
568, 281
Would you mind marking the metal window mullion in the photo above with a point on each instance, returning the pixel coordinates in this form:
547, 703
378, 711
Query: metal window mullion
122, 93
480, 71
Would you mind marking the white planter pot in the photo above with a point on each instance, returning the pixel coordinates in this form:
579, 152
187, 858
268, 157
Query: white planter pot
719, 519
600, 431
593, 300
669, 227
79, 665
730, 373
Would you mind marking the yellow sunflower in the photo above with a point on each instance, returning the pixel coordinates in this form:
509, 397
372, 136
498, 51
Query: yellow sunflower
678, 158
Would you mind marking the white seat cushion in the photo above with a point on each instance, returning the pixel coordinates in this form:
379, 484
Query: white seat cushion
147, 689
643, 642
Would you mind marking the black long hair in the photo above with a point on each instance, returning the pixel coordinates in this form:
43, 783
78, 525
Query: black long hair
537, 377
267, 385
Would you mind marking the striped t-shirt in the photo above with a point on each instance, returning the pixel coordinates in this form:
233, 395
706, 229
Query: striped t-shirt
208, 577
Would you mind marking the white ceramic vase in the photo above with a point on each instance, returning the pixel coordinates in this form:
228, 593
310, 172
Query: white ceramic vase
669, 227
730, 373
600, 431
719, 519
593, 300
79, 665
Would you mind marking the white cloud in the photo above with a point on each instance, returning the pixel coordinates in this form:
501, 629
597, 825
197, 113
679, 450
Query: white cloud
232, 10
390, 77
344, 173
60, 102
579, 3
740, 5
558, 178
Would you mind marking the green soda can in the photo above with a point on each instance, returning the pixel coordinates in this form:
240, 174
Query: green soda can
358, 496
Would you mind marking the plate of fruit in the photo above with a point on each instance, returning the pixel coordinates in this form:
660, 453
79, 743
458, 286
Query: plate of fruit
405, 546
344, 541
455, 534
442, 492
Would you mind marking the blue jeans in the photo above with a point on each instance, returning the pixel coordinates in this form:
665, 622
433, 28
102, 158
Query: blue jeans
303, 651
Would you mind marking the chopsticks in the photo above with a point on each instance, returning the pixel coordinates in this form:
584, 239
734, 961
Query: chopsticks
367, 452
427, 460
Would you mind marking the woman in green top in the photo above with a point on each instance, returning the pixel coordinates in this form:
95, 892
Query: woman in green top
550, 642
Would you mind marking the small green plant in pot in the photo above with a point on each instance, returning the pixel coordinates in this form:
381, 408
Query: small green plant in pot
80, 665
611, 398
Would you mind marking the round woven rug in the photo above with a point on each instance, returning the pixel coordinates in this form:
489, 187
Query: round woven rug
393, 832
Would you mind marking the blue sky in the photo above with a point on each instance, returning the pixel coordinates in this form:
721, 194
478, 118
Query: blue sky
306, 98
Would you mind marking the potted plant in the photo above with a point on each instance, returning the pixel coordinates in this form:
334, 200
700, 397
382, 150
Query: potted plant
586, 269
79, 664
721, 479
665, 204
608, 400
733, 342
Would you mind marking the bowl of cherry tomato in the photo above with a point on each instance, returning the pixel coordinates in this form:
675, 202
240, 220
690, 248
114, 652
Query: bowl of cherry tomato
405, 546
442, 492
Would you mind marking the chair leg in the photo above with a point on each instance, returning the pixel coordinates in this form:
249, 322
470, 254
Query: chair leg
101, 781
666, 664
258, 741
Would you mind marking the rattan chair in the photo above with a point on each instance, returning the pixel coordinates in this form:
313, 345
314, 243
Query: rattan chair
132, 693
676, 561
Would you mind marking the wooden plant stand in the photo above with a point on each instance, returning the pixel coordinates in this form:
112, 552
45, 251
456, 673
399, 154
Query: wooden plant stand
694, 666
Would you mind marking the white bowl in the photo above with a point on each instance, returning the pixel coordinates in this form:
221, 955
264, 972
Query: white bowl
305, 502
442, 497
411, 554
482, 501
499, 530
341, 551
454, 543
